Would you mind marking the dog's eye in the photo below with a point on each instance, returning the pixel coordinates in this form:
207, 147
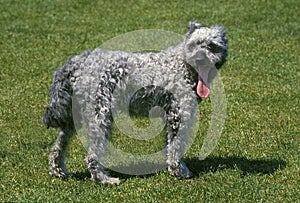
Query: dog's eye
215, 48
198, 42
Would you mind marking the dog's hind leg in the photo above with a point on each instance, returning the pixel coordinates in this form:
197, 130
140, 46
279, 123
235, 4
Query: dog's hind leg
97, 150
58, 152
98, 173
99, 130
96, 156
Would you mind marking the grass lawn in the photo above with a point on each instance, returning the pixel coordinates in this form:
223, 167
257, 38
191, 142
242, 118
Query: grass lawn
257, 156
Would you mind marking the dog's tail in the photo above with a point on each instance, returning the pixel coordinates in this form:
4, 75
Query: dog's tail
59, 111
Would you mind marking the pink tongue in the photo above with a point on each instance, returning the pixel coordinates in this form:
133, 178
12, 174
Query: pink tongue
202, 90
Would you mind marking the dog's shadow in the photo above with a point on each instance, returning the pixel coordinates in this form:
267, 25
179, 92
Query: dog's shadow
246, 166
214, 164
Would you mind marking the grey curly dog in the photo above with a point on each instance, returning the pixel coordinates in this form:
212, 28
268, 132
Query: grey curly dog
187, 69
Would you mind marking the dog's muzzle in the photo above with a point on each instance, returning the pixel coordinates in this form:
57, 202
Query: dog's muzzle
203, 66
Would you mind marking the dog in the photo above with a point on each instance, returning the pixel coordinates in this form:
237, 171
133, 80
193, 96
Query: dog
93, 76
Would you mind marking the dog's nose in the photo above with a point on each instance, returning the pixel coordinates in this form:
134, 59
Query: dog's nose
200, 58
201, 54
199, 61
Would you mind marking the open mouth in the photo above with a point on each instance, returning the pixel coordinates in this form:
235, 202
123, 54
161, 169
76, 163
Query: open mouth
203, 90
204, 67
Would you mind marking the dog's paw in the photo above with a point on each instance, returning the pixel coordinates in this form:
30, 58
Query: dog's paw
59, 172
111, 181
180, 170
107, 180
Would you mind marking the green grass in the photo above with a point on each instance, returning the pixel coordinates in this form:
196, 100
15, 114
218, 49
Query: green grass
257, 157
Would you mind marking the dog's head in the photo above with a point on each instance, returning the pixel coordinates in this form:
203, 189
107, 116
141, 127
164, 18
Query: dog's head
205, 49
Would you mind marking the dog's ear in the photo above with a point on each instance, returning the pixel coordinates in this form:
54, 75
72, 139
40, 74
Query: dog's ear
219, 29
193, 25
223, 34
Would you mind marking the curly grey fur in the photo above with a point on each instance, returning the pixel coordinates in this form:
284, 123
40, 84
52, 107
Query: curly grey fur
106, 69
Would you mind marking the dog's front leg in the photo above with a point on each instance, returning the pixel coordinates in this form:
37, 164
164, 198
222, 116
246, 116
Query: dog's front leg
176, 145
